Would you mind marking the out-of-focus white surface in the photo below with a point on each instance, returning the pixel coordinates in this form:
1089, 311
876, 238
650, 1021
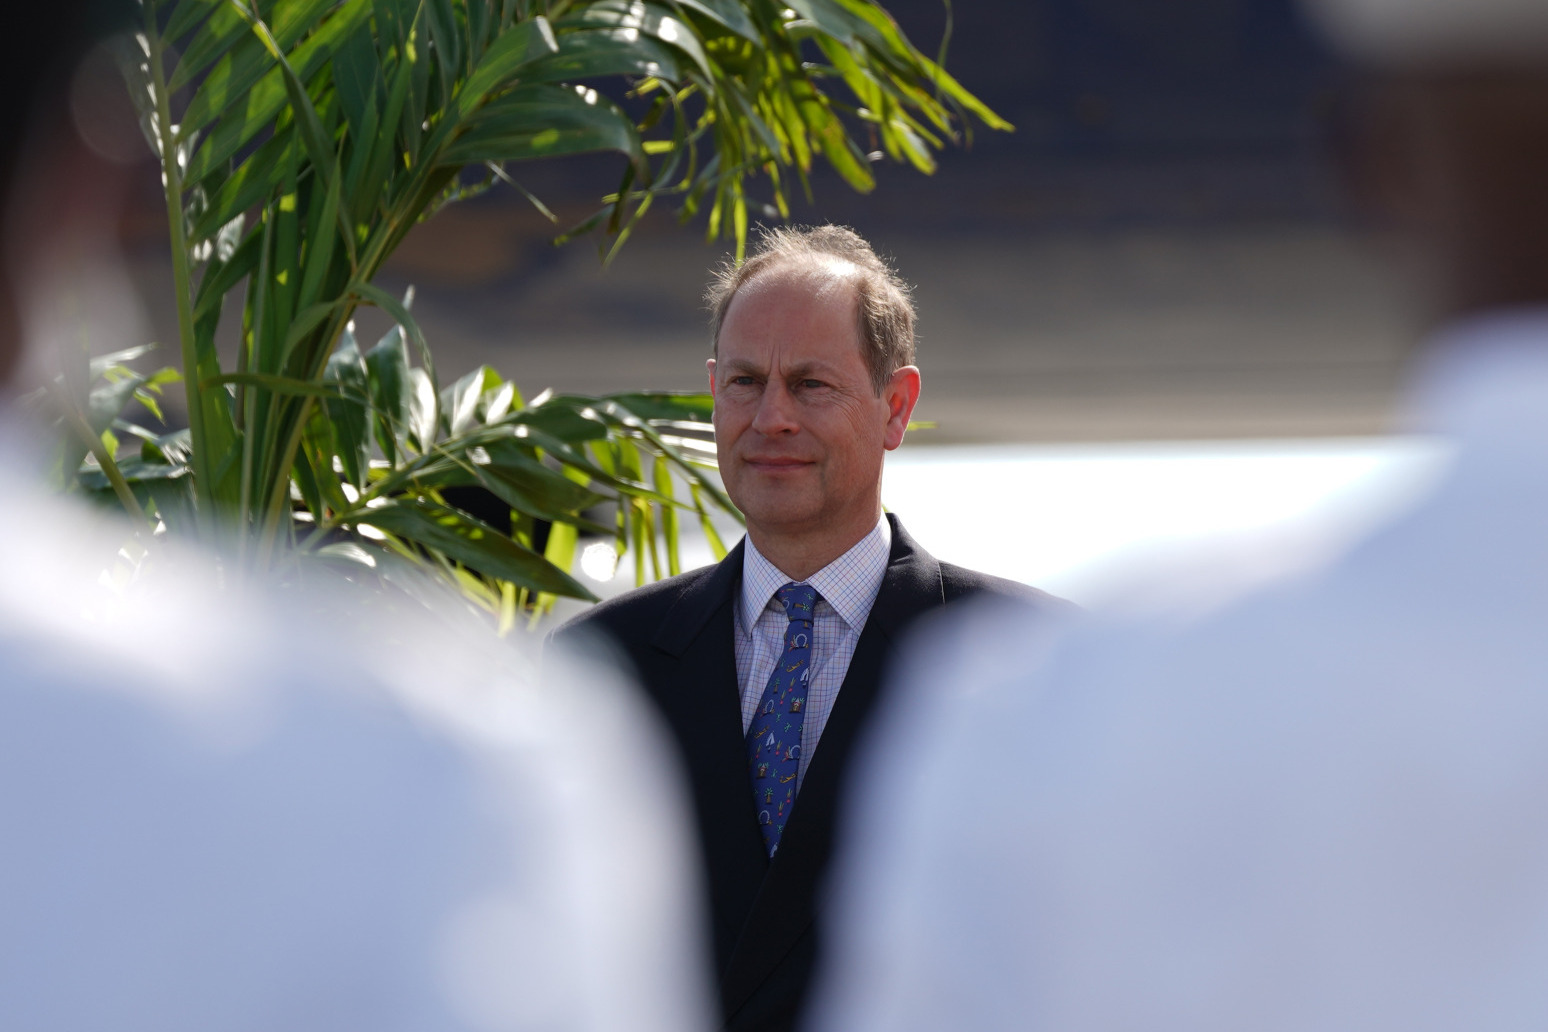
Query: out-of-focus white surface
1320, 808
216, 815
1172, 525
1096, 523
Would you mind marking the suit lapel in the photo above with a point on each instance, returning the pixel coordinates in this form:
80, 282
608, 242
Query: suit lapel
703, 703
697, 632
787, 900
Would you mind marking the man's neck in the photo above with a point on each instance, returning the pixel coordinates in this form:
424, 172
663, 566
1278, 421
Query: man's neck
799, 555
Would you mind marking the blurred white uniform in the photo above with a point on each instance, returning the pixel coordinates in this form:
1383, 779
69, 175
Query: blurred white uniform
213, 819
1324, 809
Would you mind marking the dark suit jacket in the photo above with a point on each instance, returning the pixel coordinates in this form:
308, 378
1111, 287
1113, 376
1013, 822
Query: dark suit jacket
678, 633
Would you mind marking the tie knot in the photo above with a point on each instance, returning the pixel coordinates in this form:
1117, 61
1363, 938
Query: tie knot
798, 600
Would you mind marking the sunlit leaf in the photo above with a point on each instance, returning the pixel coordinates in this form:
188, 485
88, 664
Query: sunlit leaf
545, 121
348, 412
387, 365
474, 544
729, 13
524, 42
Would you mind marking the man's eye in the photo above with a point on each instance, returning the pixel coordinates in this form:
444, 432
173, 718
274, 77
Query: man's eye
743, 381
812, 384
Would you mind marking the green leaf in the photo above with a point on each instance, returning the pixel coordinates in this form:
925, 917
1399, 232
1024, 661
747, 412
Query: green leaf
545, 121
240, 123
560, 551
543, 491
445, 38
308, 319
348, 413
399, 310
174, 502
135, 470
220, 277
532, 490
597, 53
316, 463
102, 363
349, 554
371, 166
459, 402
524, 42
223, 29
728, 13
133, 60
570, 420
280, 280
695, 407
187, 14
668, 514
277, 384
356, 77
711, 535
879, 27
473, 543
387, 365
648, 19
309, 125
246, 64
173, 449
423, 411
255, 179
108, 400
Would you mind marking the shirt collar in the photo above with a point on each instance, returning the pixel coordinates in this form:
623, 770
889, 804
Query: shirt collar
849, 583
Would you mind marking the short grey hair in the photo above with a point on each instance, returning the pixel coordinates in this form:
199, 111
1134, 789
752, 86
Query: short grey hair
885, 310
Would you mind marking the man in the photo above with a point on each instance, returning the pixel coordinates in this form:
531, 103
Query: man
1323, 808
767, 665
216, 816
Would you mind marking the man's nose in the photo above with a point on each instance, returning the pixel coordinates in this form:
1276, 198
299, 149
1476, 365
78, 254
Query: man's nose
776, 411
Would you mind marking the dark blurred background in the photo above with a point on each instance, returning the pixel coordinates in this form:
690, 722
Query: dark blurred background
1157, 251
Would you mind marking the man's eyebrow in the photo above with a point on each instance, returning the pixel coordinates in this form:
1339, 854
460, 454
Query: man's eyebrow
814, 368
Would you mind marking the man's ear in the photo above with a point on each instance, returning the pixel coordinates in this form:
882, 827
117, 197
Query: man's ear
901, 395
709, 364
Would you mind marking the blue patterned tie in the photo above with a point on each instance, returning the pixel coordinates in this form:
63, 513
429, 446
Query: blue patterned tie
774, 738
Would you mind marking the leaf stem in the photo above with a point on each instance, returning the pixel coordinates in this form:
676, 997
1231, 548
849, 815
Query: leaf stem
110, 469
172, 180
269, 520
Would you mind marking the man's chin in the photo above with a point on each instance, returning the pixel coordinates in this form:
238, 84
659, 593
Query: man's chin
778, 512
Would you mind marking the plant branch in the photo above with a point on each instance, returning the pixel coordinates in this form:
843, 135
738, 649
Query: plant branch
172, 180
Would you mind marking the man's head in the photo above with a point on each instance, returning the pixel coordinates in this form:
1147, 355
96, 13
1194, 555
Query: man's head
1452, 144
884, 314
813, 382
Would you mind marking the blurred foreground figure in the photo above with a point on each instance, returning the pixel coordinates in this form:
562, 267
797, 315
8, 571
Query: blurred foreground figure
211, 820
1326, 808
215, 817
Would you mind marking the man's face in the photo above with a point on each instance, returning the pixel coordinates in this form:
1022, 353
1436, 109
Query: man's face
799, 427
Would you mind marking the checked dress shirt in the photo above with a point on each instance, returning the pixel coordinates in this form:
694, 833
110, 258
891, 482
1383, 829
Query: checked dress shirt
847, 588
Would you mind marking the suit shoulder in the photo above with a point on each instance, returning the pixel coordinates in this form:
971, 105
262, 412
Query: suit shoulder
637, 611
962, 583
